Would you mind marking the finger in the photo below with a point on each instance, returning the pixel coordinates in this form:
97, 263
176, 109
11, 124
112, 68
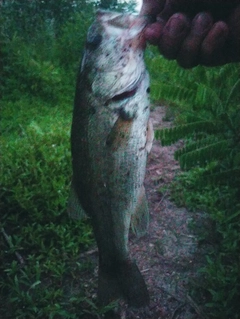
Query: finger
168, 10
233, 43
188, 56
212, 45
173, 34
218, 8
152, 7
153, 32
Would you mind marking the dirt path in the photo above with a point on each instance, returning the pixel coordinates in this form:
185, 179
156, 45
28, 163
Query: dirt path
168, 255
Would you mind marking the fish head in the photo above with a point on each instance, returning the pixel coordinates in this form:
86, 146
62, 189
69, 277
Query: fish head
126, 28
113, 58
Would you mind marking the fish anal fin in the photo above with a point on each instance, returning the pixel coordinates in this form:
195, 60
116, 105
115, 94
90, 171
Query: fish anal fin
150, 136
140, 218
74, 207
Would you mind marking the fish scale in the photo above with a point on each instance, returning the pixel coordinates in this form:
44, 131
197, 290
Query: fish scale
110, 140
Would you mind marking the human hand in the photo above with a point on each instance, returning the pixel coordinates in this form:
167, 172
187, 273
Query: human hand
195, 32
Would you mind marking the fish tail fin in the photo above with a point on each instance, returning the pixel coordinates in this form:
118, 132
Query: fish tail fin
140, 218
133, 285
108, 288
74, 208
127, 283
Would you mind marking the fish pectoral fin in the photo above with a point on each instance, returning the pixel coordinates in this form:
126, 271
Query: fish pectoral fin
150, 136
140, 218
74, 207
119, 134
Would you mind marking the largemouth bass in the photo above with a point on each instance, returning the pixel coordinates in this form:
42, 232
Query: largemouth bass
110, 139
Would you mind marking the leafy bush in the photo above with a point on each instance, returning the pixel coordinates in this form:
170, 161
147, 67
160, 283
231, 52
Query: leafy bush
25, 73
72, 40
35, 167
42, 64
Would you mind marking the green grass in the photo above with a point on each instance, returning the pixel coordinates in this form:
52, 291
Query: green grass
34, 191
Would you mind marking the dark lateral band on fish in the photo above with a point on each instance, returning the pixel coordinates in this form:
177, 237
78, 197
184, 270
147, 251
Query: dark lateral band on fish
110, 139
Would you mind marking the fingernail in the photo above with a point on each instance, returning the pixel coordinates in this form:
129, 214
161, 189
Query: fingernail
153, 33
202, 23
221, 28
177, 25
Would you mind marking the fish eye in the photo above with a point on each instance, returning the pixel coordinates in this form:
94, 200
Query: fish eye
94, 42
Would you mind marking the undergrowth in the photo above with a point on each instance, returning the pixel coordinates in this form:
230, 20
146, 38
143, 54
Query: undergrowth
34, 224
206, 106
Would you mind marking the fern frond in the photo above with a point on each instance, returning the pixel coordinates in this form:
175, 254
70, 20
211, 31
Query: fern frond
172, 93
203, 155
228, 177
206, 94
194, 145
173, 134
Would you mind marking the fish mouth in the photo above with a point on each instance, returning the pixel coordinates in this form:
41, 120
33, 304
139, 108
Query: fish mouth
125, 94
130, 91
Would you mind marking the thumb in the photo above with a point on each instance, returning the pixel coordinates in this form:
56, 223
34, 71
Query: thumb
152, 7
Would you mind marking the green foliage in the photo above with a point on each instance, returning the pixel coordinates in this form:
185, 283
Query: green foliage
25, 72
42, 64
206, 104
171, 135
72, 40
198, 89
28, 18
24, 161
209, 103
115, 5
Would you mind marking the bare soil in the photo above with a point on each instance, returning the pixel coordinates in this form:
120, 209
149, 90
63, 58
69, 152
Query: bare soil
169, 255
